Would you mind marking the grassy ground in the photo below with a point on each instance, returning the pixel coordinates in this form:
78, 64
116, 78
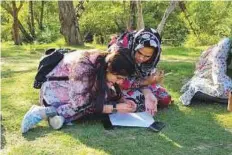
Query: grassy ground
198, 129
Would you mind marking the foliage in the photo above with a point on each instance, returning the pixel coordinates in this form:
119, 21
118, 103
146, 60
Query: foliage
212, 20
51, 22
5, 26
153, 12
103, 18
175, 30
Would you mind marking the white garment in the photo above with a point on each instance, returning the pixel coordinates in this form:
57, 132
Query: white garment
210, 75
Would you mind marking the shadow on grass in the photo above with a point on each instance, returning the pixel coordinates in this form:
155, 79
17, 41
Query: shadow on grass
36, 50
37, 132
3, 130
10, 73
189, 131
185, 133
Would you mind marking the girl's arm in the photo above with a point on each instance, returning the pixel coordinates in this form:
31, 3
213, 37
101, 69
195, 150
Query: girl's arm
125, 107
153, 79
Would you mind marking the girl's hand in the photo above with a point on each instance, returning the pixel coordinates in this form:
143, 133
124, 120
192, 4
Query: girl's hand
159, 76
132, 104
127, 107
151, 104
150, 80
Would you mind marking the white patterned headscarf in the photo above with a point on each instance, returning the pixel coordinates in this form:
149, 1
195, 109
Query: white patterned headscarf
147, 37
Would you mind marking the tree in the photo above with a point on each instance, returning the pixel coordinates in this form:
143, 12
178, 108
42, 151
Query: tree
209, 21
140, 22
31, 22
69, 26
186, 14
132, 17
16, 34
102, 19
41, 15
79, 9
135, 16
168, 11
15, 26
175, 31
13, 11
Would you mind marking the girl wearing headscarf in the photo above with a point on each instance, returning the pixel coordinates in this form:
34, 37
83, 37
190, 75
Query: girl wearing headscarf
143, 87
210, 81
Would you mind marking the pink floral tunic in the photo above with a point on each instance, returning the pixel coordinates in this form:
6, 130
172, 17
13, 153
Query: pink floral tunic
210, 75
72, 98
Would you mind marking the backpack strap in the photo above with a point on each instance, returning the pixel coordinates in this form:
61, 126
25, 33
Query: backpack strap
60, 78
38, 84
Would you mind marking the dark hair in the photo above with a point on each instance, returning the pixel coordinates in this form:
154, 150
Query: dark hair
120, 64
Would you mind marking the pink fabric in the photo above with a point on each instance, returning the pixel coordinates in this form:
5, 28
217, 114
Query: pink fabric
125, 41
126, 84
70, 96
164, 99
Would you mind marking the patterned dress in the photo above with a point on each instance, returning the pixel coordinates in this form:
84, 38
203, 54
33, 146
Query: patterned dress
132, 87
73, 98
210, 75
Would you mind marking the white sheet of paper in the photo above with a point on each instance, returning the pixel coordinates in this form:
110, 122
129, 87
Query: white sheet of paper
140, 119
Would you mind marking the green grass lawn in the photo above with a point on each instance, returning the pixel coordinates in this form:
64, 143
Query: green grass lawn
200, 129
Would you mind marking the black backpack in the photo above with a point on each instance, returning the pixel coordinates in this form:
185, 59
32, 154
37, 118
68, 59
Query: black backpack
47, 64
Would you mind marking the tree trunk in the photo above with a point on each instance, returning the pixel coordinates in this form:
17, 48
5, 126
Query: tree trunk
132, 18
24, 32
31, 17
79, 9
186, 14
41, 15
15, 26
140, 22
10, 9
168, 11
69, 26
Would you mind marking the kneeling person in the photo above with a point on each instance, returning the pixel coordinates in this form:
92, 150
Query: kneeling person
91, 74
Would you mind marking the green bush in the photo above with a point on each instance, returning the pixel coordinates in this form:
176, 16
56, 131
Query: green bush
98, 39
201, 40
49, 34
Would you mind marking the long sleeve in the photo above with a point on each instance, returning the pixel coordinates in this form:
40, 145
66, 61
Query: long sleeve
131, 84
80, 89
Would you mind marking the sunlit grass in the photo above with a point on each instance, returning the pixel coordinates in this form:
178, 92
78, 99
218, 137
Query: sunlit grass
196, 129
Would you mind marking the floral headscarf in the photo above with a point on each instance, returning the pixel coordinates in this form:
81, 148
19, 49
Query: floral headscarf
146, 38
134, 41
